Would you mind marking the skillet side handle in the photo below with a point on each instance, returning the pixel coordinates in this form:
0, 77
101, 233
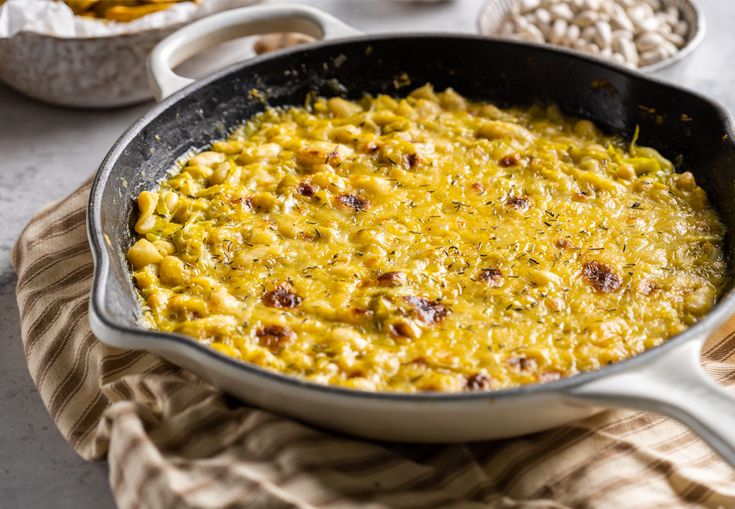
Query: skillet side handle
673, 384
224, 26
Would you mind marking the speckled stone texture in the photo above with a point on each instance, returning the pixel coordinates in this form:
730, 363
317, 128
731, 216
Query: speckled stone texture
46, 152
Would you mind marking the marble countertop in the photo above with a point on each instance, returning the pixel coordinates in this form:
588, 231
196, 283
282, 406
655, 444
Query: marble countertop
46, 152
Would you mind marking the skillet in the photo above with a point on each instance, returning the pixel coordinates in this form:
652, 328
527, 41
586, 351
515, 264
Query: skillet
689, 129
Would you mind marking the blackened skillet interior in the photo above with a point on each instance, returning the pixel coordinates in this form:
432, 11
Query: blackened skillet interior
691, 130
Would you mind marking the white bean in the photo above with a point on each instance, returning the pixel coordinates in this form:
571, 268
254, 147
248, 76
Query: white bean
529, 5
603, 38
627, 48
681, 28
655, 4
608, 8
562, 11
543, 16
529, 36
506, 28
585, 18
521, 23
578, 5
620, 20
649, 41
664, 28
675, 39
638, 14
652, 56
588, 33
673, 12
669, 49
622, 34
649, 24
533, 34
558, 31
573, 33
669, 18
546, 30
647, 10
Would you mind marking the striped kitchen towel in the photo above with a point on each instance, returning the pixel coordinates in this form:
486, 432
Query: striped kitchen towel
173, 441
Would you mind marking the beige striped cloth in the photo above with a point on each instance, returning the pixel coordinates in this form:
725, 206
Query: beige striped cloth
173, 441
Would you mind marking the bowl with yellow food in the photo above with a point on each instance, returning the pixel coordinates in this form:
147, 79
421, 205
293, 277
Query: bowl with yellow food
102, 64
421, 238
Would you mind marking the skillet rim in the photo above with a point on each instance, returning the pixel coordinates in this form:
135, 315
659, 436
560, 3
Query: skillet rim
722, 310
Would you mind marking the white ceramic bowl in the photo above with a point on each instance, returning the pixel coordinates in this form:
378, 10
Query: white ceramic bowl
86, 72
494, 13
91, 71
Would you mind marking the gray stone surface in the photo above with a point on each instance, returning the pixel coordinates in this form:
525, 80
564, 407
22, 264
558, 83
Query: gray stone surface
45, 152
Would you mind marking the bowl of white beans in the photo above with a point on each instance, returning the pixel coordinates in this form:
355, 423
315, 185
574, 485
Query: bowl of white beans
647, 35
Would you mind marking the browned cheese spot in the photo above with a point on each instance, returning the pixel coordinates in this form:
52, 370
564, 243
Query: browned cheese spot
400, 329
493, 277
372, 147
477, 382
310, 236
518, 202
354, 202
564, 244
523, 364
281, 297
601, 277
359, 315
647, 287
510, 160
412, 160
478, 188
306, 189
274, 337
428, 311
332, 157
242, 202
392, 279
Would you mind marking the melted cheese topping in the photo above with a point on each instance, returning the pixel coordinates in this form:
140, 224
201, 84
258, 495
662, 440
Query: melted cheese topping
426, 243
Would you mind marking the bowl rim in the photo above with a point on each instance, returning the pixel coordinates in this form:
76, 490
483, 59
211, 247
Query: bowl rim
97, 38
693, 41
722, 310
168, 27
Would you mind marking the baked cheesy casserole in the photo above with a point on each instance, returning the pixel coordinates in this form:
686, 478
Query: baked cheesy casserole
428, 243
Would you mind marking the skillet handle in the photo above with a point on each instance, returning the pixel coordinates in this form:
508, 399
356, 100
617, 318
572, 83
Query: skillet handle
673, 384
212, 30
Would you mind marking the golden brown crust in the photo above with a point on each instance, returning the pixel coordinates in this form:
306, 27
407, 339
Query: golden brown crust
281, 297
600, 276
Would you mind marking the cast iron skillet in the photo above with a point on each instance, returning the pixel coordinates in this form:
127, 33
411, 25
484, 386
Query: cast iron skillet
691, 130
